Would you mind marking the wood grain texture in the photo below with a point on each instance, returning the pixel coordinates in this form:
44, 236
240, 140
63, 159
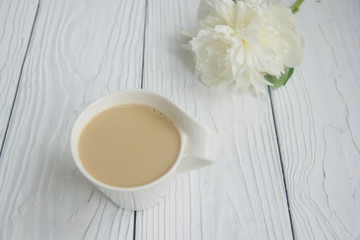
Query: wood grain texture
317, 116
241, 196
16, 21
80, 50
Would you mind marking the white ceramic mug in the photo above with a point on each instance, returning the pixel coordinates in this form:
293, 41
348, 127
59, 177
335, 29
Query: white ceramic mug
196, 141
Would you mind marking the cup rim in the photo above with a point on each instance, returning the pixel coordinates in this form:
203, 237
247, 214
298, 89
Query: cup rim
74, 143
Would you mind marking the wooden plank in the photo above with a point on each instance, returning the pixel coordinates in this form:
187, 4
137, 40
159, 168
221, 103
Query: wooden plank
318, 116
16, 21
242, 196
80, 50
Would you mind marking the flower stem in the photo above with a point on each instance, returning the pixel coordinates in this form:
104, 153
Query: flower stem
295, 7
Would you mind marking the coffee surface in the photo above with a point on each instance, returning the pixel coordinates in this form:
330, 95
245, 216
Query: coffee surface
129, 145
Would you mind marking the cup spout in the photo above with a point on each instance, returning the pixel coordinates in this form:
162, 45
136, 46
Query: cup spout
192, 163
199, 150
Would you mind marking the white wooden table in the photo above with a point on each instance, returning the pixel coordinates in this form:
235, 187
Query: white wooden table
289, 161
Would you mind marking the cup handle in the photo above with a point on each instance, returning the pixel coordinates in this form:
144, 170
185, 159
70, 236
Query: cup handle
199, 150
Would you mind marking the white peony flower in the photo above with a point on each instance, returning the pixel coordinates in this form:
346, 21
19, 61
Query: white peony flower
239, 43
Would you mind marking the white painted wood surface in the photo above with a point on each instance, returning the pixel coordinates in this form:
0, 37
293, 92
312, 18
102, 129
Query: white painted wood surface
242, 196
318, 116
16, 18
81, 50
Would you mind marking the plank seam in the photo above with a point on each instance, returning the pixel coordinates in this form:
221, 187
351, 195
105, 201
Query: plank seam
134, 236
281, 164
144, 38
142, 85
19, 79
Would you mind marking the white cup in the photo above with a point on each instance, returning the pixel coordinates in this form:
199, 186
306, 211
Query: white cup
196, 145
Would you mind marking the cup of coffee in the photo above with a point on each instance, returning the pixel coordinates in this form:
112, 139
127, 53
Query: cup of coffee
132, 143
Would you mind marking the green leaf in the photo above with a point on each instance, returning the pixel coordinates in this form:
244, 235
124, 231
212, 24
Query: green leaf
296, 6
278, 82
